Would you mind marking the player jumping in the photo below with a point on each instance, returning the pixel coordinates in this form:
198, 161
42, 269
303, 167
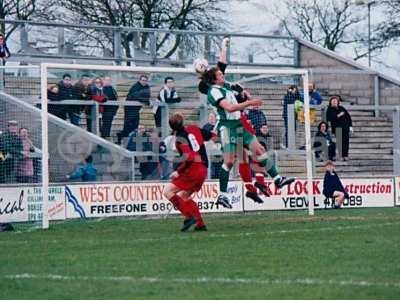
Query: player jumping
241, 95
223, 100
191, 172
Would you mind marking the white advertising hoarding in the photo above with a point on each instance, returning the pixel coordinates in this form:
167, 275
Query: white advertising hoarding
134, 199
397, 198
21, 204
363, 193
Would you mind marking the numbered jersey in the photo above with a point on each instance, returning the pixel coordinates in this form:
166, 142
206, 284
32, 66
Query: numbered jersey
190, 142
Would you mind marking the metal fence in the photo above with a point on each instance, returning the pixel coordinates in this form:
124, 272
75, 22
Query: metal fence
37, 40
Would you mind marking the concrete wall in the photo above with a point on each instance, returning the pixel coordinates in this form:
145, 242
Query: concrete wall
357, 88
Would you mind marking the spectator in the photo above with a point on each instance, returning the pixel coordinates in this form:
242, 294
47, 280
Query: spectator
53, 96
85, 172
212, 146
314, 95
109, 111
26, 173
11, 149
265, 138
167, 148
150, 166
341, 125
140, 91
212, 122
4, 52
95, 93
291, 96
136, 139
257, 119
68, 92
167, 95
82, 93
141, 140
333, 187
323, 142
315, 100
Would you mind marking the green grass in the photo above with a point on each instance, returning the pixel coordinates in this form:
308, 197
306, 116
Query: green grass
345, 254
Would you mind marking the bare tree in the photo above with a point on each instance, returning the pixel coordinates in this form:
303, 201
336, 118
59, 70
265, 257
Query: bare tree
389, 30
165, 14
16, 10
328, 23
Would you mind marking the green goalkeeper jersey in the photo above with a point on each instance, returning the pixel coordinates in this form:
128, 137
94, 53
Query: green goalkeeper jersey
215, 95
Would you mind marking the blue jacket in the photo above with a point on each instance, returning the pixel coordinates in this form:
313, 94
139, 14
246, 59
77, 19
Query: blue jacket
315, 98
332, 183
85, 172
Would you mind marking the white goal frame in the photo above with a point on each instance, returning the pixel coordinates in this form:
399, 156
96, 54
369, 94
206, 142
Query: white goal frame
44, 67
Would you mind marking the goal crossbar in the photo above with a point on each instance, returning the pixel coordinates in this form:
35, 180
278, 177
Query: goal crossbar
44, 69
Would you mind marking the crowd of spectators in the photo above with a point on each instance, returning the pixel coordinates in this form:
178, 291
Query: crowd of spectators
17, 162
337, 117
101, 90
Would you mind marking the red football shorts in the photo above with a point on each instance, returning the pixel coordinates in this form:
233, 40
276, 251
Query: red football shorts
247, 124
192, 178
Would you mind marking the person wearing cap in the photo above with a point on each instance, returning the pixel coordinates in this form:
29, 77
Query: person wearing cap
11, 149
333, 187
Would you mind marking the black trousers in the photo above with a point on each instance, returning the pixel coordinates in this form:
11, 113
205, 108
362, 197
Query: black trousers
106, 122
343, 141
131, 121
157, 118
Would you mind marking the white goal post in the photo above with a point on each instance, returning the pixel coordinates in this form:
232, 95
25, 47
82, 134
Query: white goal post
44, 69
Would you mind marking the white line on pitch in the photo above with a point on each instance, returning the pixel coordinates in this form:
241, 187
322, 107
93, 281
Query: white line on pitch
207, 280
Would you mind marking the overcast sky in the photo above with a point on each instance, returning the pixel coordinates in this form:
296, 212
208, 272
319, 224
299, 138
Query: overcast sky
252, 16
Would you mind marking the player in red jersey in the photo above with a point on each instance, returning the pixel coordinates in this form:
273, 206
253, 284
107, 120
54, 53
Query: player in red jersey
191, 172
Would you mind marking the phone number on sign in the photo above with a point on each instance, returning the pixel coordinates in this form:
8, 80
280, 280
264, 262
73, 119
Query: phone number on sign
352, 201
203, 205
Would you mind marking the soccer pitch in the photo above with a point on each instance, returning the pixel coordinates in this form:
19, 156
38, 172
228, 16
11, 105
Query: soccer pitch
337, 254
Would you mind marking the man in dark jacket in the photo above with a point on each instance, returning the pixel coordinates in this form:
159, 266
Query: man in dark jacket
140, 92
68, 92
291, 96
82, 93
333, 187
10, 153
109, 112
167, 95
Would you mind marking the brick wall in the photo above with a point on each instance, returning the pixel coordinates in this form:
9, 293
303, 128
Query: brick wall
357, 88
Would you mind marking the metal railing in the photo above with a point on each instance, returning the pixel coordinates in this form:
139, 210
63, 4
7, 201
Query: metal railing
58, 40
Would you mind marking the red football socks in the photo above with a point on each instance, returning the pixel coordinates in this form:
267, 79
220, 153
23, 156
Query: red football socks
188, 208
195, 212
245, 174
260, 178
181, 205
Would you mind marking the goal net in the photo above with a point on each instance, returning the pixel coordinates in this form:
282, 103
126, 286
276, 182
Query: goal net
104, 156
